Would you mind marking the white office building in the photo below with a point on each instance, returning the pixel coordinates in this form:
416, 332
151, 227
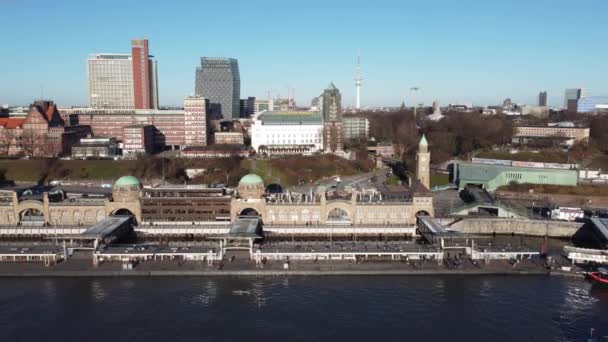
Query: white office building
287, 133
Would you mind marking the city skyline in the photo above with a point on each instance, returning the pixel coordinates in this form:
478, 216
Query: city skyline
468, 52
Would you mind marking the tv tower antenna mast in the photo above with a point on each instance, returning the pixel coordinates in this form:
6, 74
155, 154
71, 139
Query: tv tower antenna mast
414, 91
358, 80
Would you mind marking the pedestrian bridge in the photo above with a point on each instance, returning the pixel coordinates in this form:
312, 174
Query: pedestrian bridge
436, 233
105, 231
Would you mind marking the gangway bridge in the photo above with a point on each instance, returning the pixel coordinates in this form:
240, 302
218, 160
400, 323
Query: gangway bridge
436, 233
106, 231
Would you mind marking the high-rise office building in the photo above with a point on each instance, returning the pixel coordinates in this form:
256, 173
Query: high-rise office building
122, 81
542, 99
218, 80
110, 81
333, 132
571, 98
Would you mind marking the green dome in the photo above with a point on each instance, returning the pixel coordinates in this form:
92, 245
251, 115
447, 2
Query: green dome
127, 181
251, 179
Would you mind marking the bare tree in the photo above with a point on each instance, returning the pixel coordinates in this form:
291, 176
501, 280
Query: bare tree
6, 141
27, 141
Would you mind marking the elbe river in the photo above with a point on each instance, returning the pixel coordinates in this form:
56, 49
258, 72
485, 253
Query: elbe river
350, 308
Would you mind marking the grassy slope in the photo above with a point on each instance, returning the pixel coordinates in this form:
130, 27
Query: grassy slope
438, 178
286, 170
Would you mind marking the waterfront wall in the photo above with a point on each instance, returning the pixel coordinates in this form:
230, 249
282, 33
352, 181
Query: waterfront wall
556, 229
561, 199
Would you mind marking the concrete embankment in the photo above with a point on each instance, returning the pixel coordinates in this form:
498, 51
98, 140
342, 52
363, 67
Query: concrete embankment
172, 273
557, 229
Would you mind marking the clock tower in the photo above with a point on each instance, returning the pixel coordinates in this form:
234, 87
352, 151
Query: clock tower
423, 169
333, 135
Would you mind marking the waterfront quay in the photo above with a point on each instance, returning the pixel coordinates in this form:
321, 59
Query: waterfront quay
384, 230
176, 265
300, 257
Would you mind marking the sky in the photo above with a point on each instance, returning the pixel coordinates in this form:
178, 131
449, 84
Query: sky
456, 51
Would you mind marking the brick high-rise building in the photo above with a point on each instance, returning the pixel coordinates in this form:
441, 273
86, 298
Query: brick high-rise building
144, 75
122, 81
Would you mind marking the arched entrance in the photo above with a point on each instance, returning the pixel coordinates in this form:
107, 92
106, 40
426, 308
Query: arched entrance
123, 211
249, 212
338, 215
418, 215
274, 188
31, 216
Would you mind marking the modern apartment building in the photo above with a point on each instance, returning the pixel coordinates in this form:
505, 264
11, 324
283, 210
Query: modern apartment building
218, 80
123, 81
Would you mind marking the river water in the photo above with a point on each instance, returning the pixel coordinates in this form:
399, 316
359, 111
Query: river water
353, 308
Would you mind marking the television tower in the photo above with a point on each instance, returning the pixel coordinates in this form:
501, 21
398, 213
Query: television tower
414, 91
358, 80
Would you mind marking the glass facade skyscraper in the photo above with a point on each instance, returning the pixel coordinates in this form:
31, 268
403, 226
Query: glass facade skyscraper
542, 99
571, 98
218, 80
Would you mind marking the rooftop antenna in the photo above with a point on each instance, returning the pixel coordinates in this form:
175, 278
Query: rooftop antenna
414, 91
42, 92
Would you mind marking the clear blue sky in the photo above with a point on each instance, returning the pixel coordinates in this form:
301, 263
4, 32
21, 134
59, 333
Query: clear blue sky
479, 51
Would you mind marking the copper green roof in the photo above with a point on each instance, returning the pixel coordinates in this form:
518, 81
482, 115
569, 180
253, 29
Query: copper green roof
291, 118
423, 141
127, 181
493, 176
251, 179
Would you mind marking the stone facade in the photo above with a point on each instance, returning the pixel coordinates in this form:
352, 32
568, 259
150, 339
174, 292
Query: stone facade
76, 212
423, 171
348, 208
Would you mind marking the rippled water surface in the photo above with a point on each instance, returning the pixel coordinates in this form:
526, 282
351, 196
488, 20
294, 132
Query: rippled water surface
415, 308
